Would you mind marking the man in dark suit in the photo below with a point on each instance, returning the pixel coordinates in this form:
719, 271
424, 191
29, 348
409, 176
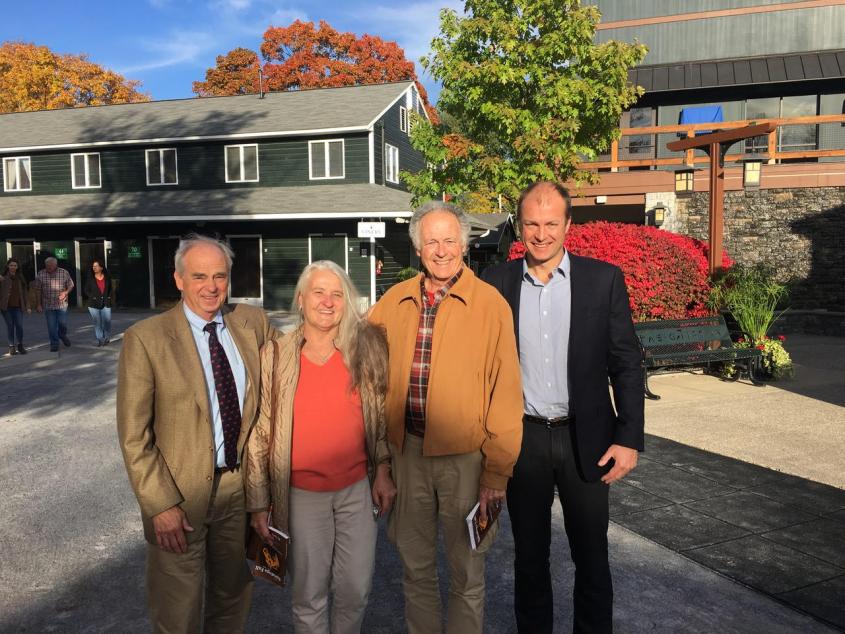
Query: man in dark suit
574, 331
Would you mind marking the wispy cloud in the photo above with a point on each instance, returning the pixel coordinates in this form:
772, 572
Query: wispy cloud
177, 47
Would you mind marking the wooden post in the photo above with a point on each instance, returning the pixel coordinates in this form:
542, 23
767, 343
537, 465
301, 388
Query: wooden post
773, 146
689, 155
614, 156
716, 206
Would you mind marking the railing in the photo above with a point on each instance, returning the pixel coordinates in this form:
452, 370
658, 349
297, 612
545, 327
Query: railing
794, 139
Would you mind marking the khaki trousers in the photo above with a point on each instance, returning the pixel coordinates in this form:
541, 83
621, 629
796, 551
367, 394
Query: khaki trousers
332, 545
443, 488
216, 559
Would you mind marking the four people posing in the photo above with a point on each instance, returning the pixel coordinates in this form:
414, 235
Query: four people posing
489, 388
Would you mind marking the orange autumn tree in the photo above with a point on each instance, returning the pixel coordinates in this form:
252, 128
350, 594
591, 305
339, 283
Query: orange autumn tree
236, 73
35, 78
303, 55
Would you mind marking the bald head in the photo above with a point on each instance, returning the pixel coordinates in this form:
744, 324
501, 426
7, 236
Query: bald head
545, 193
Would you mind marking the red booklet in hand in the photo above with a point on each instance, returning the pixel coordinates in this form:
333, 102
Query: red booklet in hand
479, 526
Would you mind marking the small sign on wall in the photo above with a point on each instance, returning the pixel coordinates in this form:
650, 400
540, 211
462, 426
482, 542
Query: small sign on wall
60, 253
133, 253
371, 229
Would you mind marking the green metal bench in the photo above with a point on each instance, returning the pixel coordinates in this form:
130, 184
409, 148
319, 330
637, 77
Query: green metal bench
697, 341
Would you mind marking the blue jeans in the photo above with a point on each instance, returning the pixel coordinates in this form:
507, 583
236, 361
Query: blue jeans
56, 325
102, 322
14, 325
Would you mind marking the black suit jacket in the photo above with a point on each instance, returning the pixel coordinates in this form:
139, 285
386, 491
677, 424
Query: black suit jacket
602, 345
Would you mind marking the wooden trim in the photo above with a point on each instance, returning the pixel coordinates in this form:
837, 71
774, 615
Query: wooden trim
719, 13
729, 125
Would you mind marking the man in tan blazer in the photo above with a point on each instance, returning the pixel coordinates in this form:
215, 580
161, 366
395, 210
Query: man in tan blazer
187, 396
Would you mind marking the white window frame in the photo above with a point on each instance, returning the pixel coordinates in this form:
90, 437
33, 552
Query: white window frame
403, 120
241, 147
391, 159
87, 184
17, 160
160, 153
325, 143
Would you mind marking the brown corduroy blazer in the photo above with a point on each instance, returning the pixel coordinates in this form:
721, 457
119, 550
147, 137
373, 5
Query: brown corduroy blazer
163, 412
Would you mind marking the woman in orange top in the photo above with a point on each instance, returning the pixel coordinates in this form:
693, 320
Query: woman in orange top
327, 474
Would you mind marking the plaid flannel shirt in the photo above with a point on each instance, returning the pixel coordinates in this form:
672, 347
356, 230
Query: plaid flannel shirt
421, 364
48, 287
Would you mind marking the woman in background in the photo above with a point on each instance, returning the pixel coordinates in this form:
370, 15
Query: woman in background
98, 291
327, 475
13, 301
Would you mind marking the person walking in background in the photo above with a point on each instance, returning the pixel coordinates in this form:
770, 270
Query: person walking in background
52, 287
98, 293
13, 301
454, 417
573, 324
329, 463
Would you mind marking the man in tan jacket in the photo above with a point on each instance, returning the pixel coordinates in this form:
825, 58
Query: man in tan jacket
187, 396
454, 417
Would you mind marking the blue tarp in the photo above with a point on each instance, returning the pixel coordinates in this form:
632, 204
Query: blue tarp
700, 114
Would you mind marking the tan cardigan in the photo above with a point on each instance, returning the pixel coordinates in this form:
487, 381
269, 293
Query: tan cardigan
474, 396
268, 470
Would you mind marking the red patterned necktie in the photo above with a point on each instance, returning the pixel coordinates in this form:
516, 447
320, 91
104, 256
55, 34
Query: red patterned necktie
227, 395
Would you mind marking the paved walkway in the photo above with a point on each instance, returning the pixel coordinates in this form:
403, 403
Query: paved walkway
691, 536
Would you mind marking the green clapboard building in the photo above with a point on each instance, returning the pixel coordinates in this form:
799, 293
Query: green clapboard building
286, 178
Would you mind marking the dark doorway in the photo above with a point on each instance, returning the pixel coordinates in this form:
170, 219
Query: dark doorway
88, 251
246, 270
164, 286
24, 253
329, 248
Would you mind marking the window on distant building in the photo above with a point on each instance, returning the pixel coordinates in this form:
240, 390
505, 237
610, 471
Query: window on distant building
85, 170
161, 167
325, 159
241, 163
16, 174
391, 172
403, 119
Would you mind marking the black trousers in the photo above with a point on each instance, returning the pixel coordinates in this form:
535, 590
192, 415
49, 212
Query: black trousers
547, 460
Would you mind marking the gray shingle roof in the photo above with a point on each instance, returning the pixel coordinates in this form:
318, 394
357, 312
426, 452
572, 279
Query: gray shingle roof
254, 203
736, 72
282, 112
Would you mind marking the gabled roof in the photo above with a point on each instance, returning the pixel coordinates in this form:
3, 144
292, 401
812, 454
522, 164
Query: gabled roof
256, 203
820, 65
245, 116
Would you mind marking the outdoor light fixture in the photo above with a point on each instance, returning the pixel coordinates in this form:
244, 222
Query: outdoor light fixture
751, 173
656, 215
601, 200
684, 181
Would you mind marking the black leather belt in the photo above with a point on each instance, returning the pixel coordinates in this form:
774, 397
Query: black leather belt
548, 423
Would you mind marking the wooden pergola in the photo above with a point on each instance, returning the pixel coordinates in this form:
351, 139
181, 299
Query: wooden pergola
716, 145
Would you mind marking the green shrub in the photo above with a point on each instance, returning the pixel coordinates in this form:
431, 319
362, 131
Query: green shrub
407, 273
752, 296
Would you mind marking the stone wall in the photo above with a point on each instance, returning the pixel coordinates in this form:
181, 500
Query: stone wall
800, 233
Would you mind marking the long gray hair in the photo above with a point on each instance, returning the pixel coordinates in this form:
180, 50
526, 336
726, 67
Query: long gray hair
363, 346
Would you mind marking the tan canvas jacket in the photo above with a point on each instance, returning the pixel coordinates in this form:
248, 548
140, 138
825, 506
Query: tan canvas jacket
163, 412
268, 469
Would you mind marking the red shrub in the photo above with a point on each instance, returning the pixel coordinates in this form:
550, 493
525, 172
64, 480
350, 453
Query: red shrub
666, 273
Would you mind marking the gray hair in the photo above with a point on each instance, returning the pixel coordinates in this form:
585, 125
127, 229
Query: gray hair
51, 259
348, 327
194, 240
437, 205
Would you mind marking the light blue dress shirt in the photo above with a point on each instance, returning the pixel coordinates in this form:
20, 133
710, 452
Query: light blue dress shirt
197, 324
544, 317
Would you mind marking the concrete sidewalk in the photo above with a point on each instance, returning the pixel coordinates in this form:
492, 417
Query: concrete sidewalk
71, 547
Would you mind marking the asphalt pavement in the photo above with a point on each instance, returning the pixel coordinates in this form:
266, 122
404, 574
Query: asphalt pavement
72, 551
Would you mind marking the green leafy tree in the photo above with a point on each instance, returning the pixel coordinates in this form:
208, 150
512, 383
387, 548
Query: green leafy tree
529, 96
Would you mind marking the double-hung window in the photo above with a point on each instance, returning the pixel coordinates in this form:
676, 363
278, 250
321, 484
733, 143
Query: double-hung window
161, 167
17, 176
391, 169
241, 163
85, 170
325, 159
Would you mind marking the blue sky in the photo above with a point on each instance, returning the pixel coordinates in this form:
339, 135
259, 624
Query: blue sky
167, 44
